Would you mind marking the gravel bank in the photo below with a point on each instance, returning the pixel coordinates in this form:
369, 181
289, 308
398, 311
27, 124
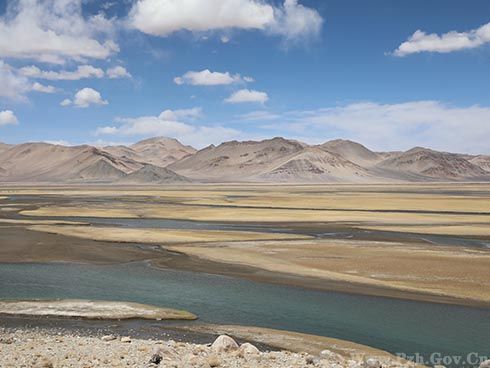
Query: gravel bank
41, 348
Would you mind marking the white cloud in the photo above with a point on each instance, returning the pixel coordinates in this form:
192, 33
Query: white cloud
396, 126
38, 87
12, 85
65, 102
209, 78
82, 72
447, 42
247, 95
84, 98
296, 22
184, 114
7, 117
118, 72
166, 124
54, 31
164, 17
259, 116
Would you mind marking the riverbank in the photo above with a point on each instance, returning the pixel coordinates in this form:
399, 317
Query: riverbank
53, 348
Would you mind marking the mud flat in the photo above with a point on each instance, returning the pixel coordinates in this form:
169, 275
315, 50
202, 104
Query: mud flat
91, 309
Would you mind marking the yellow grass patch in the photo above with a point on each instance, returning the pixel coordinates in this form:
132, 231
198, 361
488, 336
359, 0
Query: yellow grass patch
157, 235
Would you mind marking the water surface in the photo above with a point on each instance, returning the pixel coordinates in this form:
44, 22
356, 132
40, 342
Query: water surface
389, 324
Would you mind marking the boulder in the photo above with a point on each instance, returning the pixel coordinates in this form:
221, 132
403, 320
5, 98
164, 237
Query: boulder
213, 361
372, 363
156, 359
485, 364
248, 348
224, 343
125, 339
108, 338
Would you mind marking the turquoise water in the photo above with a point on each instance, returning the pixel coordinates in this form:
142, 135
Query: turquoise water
393, 325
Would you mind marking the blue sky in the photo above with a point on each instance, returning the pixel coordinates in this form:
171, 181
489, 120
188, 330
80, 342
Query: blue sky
320, 69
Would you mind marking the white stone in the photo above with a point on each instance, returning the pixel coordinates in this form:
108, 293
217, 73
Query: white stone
125, 339
248, 348
224, 343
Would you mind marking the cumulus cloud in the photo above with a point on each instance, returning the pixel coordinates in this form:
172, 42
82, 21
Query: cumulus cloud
396, 126
54, 31
12, 85
82, 72
7, 117
84, 98
164, 17
38, 87
447, 42
209, 78
296, 22
118, 72
171, 123
247, 95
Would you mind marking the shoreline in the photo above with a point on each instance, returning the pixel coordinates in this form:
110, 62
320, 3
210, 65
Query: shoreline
265, 339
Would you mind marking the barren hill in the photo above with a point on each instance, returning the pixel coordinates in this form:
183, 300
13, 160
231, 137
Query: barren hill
433, 165
237, 160
352, 151
54, 163
482, 161
164, 160
150, 174
313, 164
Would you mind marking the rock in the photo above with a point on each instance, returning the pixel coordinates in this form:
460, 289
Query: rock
439, 366
372, 363
108, 338
156, 359
213, 361
485, 364
248, 348
310, 359
224, 343
125, 339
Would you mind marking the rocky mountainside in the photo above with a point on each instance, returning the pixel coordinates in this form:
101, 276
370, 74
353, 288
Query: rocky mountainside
43, 162
429, 164
313, 164
352, 151
482, 161
159, 151
165, 160
235, 161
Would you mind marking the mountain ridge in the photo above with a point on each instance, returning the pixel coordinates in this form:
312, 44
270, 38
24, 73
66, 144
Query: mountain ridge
161, 160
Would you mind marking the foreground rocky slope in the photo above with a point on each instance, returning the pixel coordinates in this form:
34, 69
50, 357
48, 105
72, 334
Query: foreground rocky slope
165, 161
38, 348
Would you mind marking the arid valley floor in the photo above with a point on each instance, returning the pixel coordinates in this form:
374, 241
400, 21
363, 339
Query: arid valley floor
428, 243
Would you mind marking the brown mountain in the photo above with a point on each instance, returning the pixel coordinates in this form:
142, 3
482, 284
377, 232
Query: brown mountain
53, 163
158, 151
352, 151
482, 161
313, 164
150, 174
235, 161
271, 160
429, 164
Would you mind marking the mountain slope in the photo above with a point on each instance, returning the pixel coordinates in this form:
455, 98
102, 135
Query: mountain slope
54, 163
430, 164
352, 151
235, 160
150, 174
313, 164
159, 151
481, 161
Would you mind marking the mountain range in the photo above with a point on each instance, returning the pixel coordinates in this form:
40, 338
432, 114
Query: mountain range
163, 160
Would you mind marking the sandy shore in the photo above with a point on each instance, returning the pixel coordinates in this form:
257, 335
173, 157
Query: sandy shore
91, 309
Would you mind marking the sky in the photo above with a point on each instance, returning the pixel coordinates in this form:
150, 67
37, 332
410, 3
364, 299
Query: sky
389, 74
